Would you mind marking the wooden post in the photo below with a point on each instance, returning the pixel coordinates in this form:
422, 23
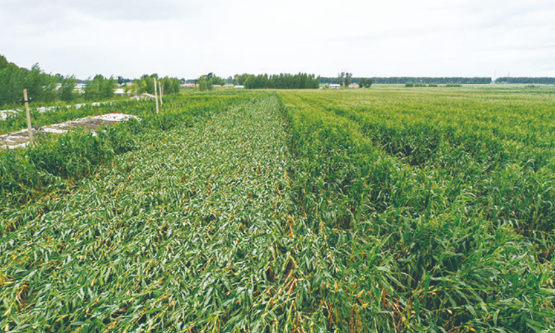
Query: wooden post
29, 127
156, 95
161, 93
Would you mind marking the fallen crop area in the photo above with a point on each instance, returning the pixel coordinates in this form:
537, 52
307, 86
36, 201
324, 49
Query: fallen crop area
191, 232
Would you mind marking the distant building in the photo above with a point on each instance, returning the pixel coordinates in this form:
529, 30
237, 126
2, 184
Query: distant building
80, 88
239, 87
354, 86
119, 92
186, 85
334, 86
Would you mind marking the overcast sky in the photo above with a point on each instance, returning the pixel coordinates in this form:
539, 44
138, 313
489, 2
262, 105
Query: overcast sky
188, 38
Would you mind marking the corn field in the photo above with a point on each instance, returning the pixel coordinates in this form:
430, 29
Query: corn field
378, 210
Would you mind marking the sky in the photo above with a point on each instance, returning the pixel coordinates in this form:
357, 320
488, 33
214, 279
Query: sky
189, 38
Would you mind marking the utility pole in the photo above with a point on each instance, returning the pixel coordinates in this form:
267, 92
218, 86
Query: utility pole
161, 93
156, 96
29, 127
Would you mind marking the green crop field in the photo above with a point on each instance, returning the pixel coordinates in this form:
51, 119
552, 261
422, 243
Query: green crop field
388, 209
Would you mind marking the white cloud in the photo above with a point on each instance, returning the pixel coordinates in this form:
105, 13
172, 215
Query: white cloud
190, 38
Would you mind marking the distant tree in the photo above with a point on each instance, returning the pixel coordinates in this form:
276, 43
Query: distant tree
242, 78
108, 88
93, 88
204, 82
365, 82
216, 80
282, 81
3, 62
12, 80
348, 79
131, 89
66, 90
341, 78
40, 86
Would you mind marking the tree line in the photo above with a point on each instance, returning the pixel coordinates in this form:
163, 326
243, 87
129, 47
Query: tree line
346, 78
281, 81
405, 79
205, 82
46, 88
13, 80
526, 80
262, 81
145, 84
439, 80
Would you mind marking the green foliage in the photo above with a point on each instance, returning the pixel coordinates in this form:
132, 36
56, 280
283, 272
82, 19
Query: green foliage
169, 85
344, 78
526, 80
240, 79
12, 82
282, 81
204, 84
39, 85
348, 79
100, 88
3, 62
365, 82
67, 88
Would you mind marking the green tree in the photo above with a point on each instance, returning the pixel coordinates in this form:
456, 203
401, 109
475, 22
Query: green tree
341, 78
39, 85
365, 82
93, 89
11, 84
3, 62
348, 79
108, 87
205, 82
66, 90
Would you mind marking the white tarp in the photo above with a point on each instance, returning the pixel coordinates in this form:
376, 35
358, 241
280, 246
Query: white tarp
21, 138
